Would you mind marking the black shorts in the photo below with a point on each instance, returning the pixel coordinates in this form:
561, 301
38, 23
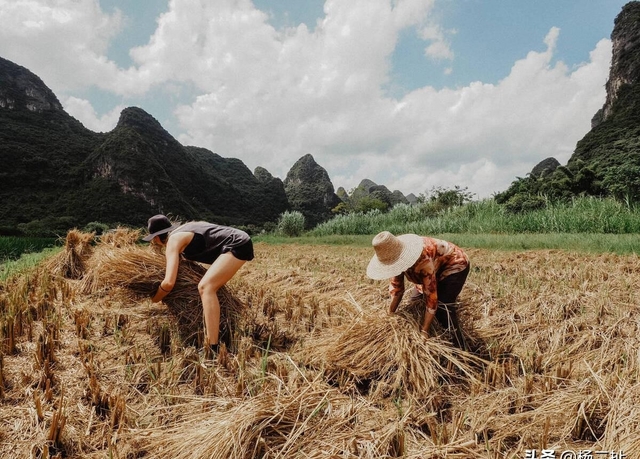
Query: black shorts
244, 251
450, 287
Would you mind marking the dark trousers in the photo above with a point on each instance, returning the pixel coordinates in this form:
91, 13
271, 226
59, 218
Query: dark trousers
447, 315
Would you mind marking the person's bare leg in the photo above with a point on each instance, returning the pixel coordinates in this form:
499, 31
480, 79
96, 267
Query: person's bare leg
218, 274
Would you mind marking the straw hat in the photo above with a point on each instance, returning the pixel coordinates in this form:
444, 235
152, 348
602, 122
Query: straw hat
157, 225
394, 254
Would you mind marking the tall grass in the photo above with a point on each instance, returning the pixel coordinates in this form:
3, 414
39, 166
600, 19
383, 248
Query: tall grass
11, 247
18, 254
291, 223
582, 215
26, 262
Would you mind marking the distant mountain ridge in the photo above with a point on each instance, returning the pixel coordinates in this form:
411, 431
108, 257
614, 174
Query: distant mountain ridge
606, 161
369, 195
21, 88
57, 174
310, 191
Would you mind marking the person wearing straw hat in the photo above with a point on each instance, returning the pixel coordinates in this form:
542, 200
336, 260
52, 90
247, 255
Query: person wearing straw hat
438, 269
225, 248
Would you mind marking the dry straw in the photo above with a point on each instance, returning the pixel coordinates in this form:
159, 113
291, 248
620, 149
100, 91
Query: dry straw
390, 353
559, 332
121, 237
71, 262
312, 421
137, 272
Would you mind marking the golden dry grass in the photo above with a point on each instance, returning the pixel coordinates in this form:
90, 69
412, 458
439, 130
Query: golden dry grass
317, 368
71, 261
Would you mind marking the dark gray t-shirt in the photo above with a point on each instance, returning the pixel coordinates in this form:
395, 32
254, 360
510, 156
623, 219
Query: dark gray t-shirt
211, 240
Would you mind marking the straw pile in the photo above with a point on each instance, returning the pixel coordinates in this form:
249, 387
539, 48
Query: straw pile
321, 370
313, 421
71, 262
121, 237
137, 272
140, 271
387, 354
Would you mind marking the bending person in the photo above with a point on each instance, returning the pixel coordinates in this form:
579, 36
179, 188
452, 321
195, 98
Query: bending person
225, 248
438, 268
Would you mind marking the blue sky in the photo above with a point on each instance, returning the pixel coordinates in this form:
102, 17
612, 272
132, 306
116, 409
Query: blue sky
411, 94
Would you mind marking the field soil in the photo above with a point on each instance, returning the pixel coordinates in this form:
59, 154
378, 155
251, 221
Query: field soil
313, 365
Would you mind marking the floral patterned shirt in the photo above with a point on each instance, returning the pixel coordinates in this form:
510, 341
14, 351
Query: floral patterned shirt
439, 259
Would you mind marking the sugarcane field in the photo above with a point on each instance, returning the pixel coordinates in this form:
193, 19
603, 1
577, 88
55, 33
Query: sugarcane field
311, 363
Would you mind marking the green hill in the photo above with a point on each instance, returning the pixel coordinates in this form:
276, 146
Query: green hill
606, 162
57, 174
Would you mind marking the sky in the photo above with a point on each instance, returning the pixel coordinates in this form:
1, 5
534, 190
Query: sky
411, 94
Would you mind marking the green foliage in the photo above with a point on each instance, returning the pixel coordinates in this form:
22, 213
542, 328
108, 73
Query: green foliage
13, 247
291, 223
25, 263
360, 204
605, 162
48, 227
525, 203
368, 196
96, 227
623, 182
369, 203
253, 230
58, 175
449, 197
341, 209
580, 215
439, 199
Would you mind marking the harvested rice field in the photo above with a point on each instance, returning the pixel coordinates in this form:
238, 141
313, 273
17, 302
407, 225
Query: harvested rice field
312, 365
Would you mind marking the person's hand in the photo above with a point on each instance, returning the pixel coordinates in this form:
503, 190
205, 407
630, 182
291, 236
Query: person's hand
159, 295
395, 301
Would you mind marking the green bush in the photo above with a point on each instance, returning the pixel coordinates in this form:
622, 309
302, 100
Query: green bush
291, 223
525, 203
48, 227
96, 227
580, 215
450, 197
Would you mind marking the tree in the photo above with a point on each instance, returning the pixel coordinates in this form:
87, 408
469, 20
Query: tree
449, 197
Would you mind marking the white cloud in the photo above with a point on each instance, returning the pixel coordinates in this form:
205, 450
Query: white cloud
269, 96
282, 94
439, 48
335, 110
540, 109
82, 110
65, 41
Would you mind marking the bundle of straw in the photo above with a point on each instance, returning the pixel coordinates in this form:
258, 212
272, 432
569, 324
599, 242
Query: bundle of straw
121, 237
71, 261
313, 421
139, 271
623, 419
388, 353
527, 414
